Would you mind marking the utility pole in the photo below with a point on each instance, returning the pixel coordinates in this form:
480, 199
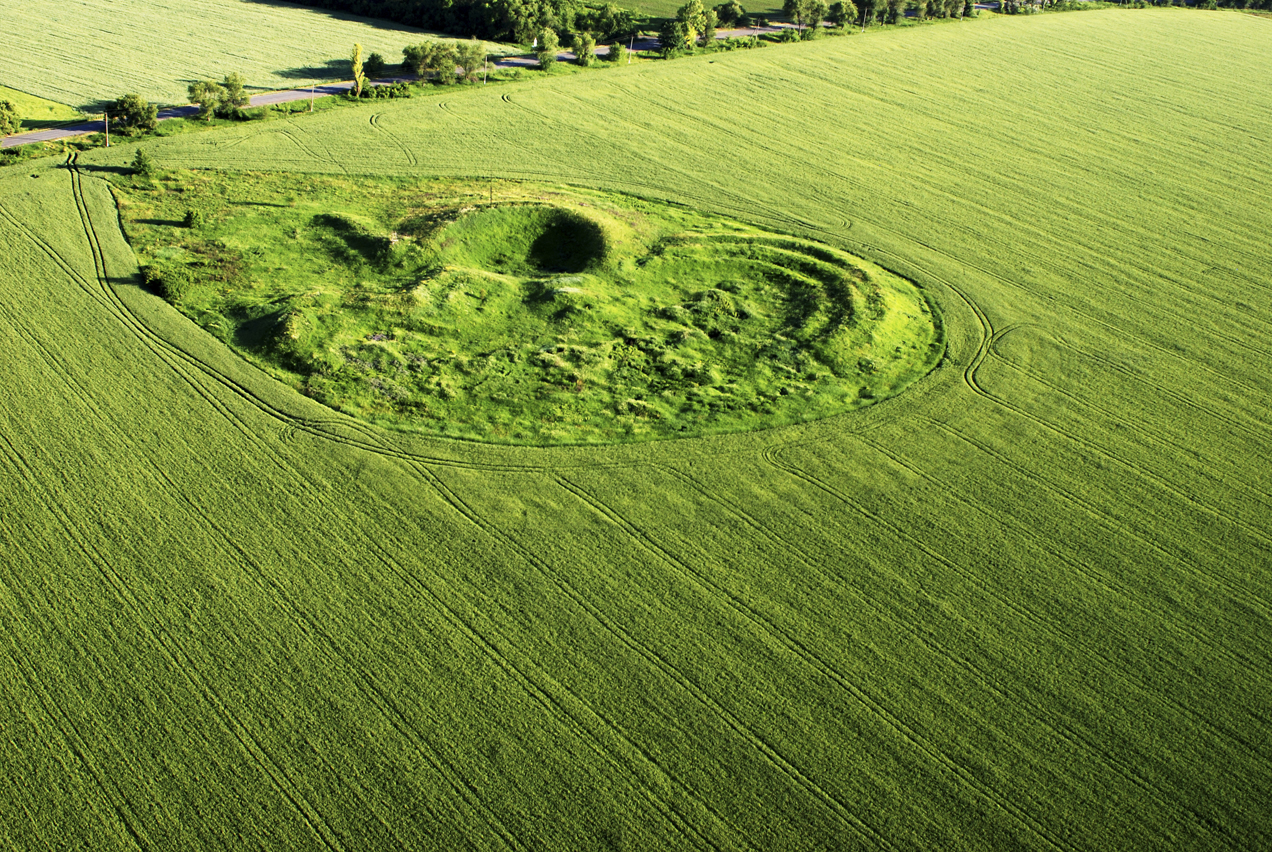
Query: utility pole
485, 63
311, 97
629, 49
106, 116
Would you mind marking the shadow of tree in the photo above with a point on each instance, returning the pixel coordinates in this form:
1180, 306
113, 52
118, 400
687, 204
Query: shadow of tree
114, 170
374, 23
332, 69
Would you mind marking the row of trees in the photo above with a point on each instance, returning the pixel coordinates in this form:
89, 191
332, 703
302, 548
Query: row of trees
518, 21
445, 60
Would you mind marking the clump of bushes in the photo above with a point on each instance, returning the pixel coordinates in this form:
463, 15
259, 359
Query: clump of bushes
173, 281
732, 14
549, 44
584, 47
395, 90
227, 99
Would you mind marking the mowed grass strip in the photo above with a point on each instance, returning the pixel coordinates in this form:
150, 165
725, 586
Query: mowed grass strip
92, 51
1022, 604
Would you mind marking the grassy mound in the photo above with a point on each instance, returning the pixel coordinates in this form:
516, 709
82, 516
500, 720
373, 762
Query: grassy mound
535, 316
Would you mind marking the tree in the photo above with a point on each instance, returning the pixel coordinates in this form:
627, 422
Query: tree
132, 113
523, 21
618, 53
415, 57
355, 65
235, 95
374, 66
10, 121
682, 32
442, 61
815, 11
842, 14
548, 47
894, 11
794, 9
709, 20
584, 47
208, 94
806, 13
142, 164
869, 10
730, 14
471, 57
695, 18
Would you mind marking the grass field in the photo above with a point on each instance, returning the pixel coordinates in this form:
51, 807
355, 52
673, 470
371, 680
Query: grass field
86, 52
1025, 604
37, 112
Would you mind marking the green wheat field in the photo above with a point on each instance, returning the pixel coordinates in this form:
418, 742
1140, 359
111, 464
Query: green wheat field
1024, 604
86, 52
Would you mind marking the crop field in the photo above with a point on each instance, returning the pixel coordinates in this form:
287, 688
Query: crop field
1024, 604
86, 52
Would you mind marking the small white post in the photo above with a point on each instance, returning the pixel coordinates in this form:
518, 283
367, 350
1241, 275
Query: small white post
106, 116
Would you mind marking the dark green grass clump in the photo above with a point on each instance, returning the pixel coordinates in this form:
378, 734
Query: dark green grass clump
529, 315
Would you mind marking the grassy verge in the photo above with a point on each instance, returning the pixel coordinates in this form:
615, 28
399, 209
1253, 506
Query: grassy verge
38, 113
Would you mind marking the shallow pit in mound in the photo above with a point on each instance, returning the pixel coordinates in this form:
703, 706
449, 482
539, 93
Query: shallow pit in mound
525, 239
529, 314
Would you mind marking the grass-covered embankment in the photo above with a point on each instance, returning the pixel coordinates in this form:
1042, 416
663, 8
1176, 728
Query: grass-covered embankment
534, 314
